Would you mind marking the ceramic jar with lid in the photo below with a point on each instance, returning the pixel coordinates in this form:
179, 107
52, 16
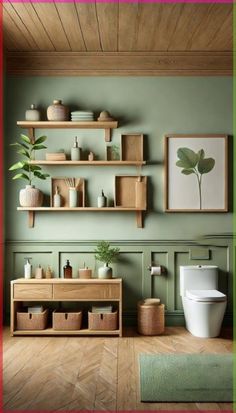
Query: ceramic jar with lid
32, 114
57, 112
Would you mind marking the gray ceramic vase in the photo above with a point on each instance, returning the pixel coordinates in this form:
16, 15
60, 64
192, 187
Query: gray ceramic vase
105, 272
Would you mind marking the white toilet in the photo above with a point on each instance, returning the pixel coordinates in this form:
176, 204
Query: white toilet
204, 306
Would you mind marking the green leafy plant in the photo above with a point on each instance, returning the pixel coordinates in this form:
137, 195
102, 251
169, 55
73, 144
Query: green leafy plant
195, 163
26, 148
105, 253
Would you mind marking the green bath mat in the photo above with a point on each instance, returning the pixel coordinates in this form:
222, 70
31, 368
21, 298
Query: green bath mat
186, 377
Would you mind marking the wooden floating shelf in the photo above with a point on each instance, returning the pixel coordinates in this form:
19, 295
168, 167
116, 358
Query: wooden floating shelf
52, 332
107, 126
92, 163
31, 212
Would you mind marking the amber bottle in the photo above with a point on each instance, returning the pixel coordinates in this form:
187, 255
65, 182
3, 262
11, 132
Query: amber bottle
67, 270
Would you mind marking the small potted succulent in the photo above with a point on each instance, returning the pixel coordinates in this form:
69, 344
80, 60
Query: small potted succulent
29, 196
106, 254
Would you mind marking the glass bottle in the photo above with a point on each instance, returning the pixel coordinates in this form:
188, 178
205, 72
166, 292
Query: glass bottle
67, 270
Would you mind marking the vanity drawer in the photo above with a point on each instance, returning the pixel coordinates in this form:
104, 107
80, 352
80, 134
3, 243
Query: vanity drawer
32, 292
86, 291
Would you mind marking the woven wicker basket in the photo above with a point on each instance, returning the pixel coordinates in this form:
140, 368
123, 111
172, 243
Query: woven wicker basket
32, 321
151, 318
106, 321
66, 320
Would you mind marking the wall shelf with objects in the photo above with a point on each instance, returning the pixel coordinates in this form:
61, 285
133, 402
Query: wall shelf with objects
65, 290
130, 191
107, 126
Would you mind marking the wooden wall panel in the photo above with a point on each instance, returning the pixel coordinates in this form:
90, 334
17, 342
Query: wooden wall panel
27, 34
107, 15
209, 27
123, 63
51, 22
128, 26
89, 25
14, 34
69, 18
31, 20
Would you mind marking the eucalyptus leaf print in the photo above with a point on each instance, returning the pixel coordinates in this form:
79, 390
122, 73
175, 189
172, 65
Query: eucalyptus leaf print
195, 163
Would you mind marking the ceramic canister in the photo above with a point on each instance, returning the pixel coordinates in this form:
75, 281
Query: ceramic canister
30, 197
32, 114
73, 197
57, 111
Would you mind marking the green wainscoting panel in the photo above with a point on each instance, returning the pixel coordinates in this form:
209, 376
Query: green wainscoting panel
132, 266
160, 282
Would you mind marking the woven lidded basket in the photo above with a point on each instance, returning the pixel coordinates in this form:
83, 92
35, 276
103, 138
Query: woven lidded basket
106, 321
151, 317
66, 320
32, 321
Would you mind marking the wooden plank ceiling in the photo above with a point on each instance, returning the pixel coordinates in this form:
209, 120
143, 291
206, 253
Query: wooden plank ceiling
118, 38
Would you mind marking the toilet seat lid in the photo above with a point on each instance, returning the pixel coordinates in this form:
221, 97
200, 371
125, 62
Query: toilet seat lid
205, 295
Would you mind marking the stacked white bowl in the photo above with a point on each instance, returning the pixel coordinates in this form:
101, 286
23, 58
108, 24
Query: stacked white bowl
82, 116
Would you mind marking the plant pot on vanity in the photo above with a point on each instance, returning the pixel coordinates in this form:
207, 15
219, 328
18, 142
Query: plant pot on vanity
30, 197
105, 272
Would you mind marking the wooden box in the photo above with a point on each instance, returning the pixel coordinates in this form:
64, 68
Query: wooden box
106, 321
66, 320
132, 147
31, 321
131, 191
55, 156
61, 183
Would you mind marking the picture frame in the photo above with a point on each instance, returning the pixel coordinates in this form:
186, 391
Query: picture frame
196, 173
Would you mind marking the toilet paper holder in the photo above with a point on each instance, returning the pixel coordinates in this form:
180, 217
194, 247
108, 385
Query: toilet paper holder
157, 269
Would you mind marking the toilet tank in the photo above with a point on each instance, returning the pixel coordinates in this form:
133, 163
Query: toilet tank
198, 277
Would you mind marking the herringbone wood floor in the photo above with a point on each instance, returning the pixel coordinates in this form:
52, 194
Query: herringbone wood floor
93, 373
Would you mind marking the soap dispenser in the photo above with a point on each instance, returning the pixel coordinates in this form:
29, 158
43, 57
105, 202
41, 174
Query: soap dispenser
75, 151
57, 198
27, 268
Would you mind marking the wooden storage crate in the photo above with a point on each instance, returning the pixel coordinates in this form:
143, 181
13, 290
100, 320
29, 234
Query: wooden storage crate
66, 320
132, 147
151, 318
60, 182
106, 321
131, 191
32, 321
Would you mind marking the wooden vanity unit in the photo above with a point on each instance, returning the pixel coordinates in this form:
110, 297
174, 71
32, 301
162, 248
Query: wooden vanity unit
58, 290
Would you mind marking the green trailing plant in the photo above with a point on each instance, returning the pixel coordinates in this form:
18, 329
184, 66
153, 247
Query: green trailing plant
195, 163
26, 148
105, 253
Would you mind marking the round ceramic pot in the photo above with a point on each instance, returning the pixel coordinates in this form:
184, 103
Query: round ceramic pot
32, 114
105, 272
57, 111
31, 197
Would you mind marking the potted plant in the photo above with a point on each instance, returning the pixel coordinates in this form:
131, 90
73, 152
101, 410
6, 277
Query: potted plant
106, 254
29, 196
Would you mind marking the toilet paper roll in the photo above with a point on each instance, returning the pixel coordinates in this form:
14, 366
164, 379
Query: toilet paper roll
156, 270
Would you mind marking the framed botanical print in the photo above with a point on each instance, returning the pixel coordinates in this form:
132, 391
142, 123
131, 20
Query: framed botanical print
196, 173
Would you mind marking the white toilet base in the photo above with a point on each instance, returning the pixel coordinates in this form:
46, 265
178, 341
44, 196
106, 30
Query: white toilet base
203, 319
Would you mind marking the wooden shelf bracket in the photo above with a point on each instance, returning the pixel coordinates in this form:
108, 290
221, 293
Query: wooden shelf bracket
139, 219
31, 216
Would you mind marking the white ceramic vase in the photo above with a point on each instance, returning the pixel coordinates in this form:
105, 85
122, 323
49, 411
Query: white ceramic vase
30, 197
105, 272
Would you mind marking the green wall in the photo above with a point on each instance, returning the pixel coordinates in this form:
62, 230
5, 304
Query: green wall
151, 105
154, 106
